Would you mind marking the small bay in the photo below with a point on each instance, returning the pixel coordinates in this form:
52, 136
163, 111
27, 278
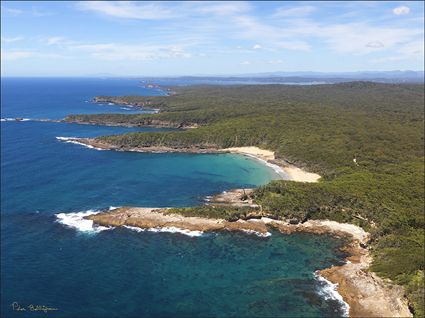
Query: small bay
124, 273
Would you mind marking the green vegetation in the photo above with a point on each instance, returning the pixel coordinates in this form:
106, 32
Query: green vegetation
321, 127
229, 213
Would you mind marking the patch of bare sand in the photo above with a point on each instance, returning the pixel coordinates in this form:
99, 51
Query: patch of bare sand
287, 171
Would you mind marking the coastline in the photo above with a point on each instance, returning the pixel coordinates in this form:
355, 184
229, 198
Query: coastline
365, 294
285, 170
150, 123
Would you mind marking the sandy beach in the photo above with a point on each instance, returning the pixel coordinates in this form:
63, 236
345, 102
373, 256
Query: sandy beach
284, 170
287, 171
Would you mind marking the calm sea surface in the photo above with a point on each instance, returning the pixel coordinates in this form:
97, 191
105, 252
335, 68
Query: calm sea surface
125, 273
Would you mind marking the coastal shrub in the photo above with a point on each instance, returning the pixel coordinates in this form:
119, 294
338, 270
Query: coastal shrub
227, 212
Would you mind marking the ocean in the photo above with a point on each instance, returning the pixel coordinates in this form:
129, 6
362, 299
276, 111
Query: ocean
50, 258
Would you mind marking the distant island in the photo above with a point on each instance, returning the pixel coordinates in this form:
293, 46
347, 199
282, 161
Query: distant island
365, 140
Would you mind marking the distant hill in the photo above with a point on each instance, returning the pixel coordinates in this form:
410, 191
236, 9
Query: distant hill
303, 77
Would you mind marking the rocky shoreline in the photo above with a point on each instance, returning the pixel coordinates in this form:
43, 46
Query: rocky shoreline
147, 122
366, 294
146, 218
142, 105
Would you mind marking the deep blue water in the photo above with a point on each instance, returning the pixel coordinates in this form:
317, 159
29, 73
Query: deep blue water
123, 273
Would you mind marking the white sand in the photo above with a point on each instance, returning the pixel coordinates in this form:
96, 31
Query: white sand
289, 172
254, 151
297, 174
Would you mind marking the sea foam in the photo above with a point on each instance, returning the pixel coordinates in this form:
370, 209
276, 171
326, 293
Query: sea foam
267, 234
76, 220
275, 167
329, 292
170, 229
15, 119
72, 140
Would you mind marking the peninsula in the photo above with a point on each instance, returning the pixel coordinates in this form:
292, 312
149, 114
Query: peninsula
364, 139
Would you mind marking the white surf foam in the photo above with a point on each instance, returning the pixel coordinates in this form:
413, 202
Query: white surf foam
257, 233
16, 119
72, 140
76, 220
276, 168
170, 229
329, 292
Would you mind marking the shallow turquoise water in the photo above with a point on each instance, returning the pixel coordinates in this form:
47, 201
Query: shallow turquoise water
122, 273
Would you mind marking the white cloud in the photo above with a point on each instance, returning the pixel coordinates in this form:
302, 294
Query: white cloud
275, 62
34, 12
13, 55
245, 63
353, 37
164, 10
340, 37
294, 45
294, 12
375, 44
257, 47
54, 40
127, 9
39, 13
219, 8
12, 11
116, 52
10, 40
403, 10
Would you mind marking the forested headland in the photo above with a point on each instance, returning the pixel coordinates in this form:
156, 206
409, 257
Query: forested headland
321, 128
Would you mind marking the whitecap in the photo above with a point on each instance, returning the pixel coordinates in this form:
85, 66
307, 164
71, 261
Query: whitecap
329, 292
76, 220
15, 119
170, 229
72, 140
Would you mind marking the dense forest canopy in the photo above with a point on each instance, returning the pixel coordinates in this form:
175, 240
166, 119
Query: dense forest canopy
322, 128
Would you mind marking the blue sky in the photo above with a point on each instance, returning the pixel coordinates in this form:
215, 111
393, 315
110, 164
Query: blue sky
204, 38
